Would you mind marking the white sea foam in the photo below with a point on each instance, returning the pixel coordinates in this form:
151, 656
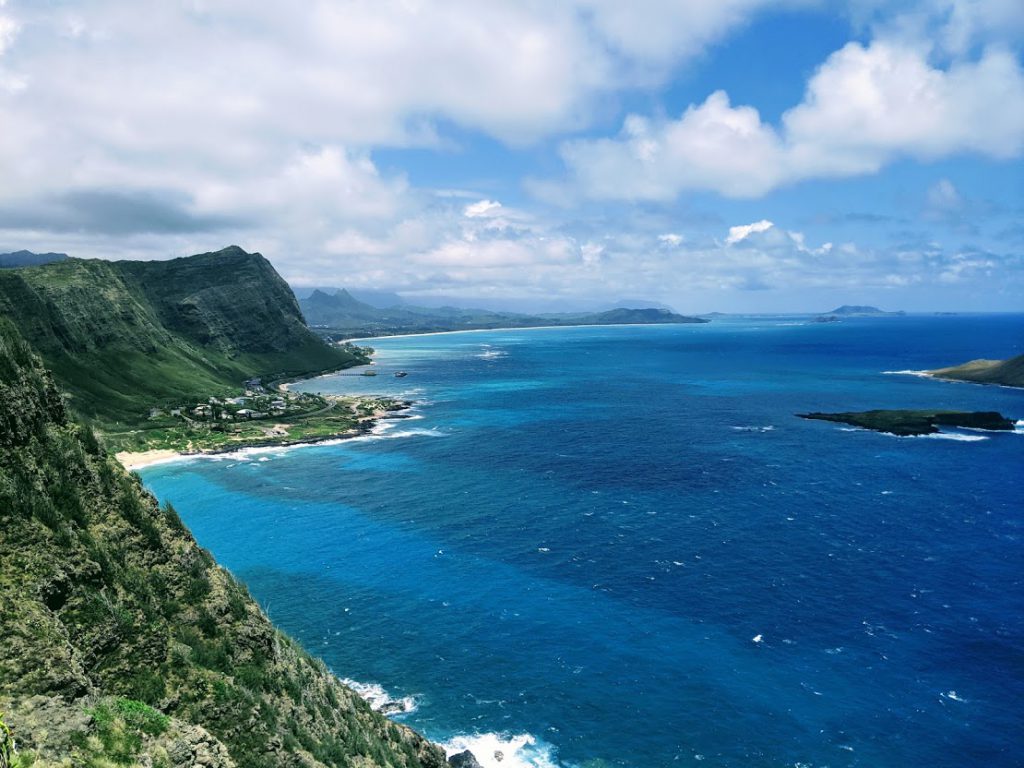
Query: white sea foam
951, 436
958, 436
380, 700
502, 750
393, 434
921, 374
952, 695
766, 428
491, 354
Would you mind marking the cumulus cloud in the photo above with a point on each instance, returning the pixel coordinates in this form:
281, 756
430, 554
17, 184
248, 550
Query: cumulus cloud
481, 208
866, 107
743, 231
8, 29
260, 123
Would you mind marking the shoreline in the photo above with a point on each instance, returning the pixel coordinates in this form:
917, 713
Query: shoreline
513, 328
925, 374
133, 461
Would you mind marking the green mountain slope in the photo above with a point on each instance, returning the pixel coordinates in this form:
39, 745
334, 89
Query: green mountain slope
124, 643
1009, 373
121, 337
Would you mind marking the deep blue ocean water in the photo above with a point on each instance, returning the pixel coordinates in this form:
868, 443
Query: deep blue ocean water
620, 545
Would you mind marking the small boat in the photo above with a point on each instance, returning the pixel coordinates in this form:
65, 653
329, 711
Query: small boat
401, 374
369, 372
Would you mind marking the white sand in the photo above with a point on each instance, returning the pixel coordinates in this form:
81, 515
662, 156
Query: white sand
133, 461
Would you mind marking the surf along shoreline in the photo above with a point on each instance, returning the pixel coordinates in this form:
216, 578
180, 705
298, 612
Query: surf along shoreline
136, 460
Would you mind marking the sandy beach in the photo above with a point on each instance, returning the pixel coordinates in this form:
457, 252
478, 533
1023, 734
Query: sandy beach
134, 461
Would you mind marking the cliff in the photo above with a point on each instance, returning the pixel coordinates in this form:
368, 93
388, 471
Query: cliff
121, 337
123, 642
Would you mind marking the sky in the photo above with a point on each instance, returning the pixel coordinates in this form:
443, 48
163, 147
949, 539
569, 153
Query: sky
711, 155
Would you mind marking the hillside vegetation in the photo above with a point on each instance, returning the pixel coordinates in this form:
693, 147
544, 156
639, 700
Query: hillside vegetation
123, 643
122, 337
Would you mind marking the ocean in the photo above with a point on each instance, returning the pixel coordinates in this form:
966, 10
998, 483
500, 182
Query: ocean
618, 546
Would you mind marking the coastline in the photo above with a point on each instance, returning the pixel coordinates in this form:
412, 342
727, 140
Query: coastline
512, 328
133, 461
924, 374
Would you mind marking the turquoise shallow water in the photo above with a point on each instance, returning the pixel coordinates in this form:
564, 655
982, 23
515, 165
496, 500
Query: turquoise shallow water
569, 553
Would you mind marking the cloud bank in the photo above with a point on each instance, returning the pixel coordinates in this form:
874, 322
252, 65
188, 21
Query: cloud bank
866, 107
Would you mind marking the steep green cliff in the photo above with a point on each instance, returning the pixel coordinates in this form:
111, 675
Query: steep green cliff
121, 337
123, 643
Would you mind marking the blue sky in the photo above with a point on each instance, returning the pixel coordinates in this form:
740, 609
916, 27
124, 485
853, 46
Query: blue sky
731, 155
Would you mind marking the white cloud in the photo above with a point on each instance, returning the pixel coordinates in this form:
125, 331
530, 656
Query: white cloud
864, 108
743, 231
258, 124
481, 208
942, 196
8, 31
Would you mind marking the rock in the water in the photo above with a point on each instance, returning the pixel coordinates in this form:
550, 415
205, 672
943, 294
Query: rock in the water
464, 760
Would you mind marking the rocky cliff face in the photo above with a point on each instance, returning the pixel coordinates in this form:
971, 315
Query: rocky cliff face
123, 642
121, 337
232, 300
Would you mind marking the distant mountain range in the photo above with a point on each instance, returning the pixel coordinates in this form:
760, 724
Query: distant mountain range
340, 313
855, 310
28, 259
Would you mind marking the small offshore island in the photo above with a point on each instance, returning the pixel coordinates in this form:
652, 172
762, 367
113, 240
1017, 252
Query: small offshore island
906, 423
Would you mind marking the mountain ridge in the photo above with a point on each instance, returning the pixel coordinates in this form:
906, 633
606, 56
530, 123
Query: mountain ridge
25, 258
122, 336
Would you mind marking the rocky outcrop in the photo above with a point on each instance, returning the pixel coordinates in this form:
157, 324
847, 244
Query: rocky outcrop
464, 760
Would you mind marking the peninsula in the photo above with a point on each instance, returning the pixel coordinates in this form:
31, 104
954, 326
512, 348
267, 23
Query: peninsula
1007, 373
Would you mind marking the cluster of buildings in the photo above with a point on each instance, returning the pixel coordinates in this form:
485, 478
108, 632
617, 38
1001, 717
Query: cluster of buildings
255, 404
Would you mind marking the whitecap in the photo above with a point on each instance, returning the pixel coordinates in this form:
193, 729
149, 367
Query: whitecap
380, 700
952, 436
766, 428
921, 374
492, 354
392, 434
502, 750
